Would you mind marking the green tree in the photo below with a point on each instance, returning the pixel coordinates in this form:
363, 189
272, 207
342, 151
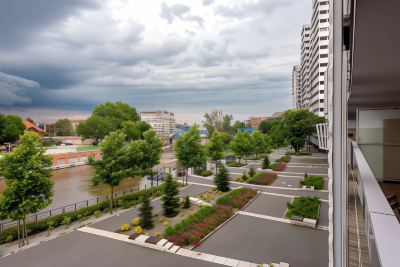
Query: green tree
237, 125
170, 197
252, 172
221, 179
242, 145
29, 185
265, 127
215, 148
217, 121
297, 125
110, 169
131, 130
117, 112
146, 213
260, 143
11, 127
186, 203
189, 151
95, 128
151, 149
265, 163
63, 127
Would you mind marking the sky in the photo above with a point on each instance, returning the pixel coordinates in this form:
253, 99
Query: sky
59, 59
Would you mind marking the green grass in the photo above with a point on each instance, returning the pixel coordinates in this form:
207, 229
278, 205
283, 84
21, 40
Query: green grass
86, 148
235, 164
312, 180
306, 207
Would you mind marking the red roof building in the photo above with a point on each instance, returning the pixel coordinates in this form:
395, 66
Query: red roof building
32, 127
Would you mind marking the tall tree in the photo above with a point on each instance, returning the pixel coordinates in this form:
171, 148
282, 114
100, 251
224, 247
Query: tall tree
237, 125
221, 179
217, 121
215, 148
297, 125
131, 130
63, 127
170, 197
189, 151
265, 126
29, 185
151, 149
146, 213
110, 169
242, 145
11, 127
95, 128
260, 143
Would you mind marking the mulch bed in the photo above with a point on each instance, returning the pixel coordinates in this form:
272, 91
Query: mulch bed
153, 240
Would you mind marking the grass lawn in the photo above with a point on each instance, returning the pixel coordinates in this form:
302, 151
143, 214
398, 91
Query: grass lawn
235, 164
313, 180
86, 148
306, 207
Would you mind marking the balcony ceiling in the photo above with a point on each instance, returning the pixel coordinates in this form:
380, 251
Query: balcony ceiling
376, 55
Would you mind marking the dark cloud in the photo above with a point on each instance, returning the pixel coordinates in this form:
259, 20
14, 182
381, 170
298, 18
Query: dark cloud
20, 19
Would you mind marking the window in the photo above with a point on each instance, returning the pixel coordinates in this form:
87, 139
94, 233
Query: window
84, 159
61, 162
72, 160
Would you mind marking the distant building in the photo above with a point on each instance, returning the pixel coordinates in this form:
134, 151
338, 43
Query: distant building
247, 129
254, 122
71, 156
276, 115
162, 121
41, 125
296, 87
29, 126
75, 123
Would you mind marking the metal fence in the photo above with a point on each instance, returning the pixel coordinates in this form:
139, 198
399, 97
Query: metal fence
69, 208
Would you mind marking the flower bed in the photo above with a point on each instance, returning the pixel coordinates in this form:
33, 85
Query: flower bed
204, 173
235, 164
285, 158
278, 166
306, 207
312, 180
237, 198
199, 224
263, 178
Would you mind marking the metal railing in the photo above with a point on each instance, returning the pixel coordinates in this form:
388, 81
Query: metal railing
381, 225
70, 208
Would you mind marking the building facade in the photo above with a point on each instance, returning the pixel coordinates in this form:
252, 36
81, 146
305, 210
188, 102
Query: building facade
305, 65
254, 122
162, 121
296, 87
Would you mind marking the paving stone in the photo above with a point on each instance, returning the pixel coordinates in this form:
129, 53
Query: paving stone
243, 264
142, 238
174, 249
209, 257
198, 255
162, 242
231, 262
219, 260
168, 245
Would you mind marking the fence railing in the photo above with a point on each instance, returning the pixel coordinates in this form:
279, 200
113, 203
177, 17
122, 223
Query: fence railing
69, 208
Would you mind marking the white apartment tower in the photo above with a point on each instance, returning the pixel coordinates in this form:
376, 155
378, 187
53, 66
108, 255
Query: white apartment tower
296, 87
162, 121
305, 65
318, 56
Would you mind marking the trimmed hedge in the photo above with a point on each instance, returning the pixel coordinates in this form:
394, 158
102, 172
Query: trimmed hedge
237, 198
306, 207
204, 173
313, 180
263, 178
127, 201
235, 164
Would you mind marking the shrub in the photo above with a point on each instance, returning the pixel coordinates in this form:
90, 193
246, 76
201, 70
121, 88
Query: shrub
9, 238
146, 213
125, 227
221, 179
306, 207
135, 221
313, 180
170, 198
97, 213
206, 173
278, 166
138, 230
157, 234
263, 178
252, 172
165, 223
237, 198
186, 203
66, 220
245, 177
50, 225
235, 164
162, 219
265, 163
285, 158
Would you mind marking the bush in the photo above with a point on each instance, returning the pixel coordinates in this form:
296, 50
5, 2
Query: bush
207, 173
278, 166
237, 198
186, 203
306, 207
263, 178
67, 220
97, 213
125, 227
157, 234
235, 164
166, 223
138, 230
285, 158
135, 221
221, 180
252, 172
313, 180
265, 163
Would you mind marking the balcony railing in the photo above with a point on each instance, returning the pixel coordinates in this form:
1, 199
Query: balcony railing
381, 225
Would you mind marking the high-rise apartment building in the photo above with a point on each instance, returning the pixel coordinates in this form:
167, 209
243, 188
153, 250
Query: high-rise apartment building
162, 121
305, 65
296, 87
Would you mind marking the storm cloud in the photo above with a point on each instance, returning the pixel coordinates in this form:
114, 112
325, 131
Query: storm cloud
190, 57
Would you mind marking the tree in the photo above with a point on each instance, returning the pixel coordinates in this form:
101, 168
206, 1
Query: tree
170, 197
63, 127
146, 213
297, 125
189, 151
242, 144
252, 172
265, 126
151, 149
221, 179
265, 163
130, 129
260, 143
95, 128
110, 169
11, 127
186, 203
217, 121
237, 125
215, 148
29, 185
